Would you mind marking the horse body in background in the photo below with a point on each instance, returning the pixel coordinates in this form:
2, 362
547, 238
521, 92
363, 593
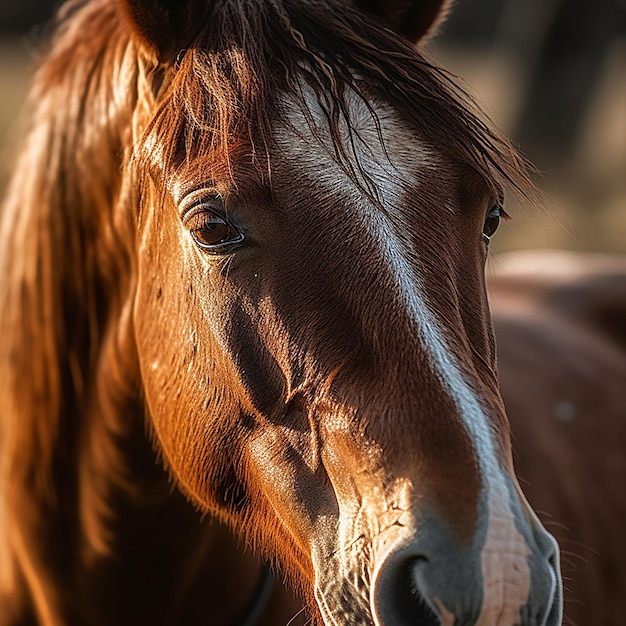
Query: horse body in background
243, 251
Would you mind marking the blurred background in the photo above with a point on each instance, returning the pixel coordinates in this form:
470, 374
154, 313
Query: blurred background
551, 73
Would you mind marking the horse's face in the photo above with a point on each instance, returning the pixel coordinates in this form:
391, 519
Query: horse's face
318, 364
321, 364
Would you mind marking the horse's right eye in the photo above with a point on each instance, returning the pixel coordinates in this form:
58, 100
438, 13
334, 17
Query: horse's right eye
212, 233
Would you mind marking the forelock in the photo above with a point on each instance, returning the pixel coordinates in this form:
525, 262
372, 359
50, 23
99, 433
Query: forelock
225, 93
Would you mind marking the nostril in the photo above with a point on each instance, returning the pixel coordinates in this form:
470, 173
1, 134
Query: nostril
547, 546
547, 585
553, 560
409, 601
555, 611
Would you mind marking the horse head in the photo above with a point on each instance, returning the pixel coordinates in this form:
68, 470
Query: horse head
313, 332
310, 202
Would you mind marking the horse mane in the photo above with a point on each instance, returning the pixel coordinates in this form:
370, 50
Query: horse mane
99, 108
63, 364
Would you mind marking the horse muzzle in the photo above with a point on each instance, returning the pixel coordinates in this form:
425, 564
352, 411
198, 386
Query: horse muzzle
429, 578
429, 582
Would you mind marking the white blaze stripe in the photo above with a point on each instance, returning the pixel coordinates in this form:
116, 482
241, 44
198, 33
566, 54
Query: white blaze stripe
504, 560
505, 568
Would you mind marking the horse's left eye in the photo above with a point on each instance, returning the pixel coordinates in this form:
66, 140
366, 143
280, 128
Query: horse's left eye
213, 233
492, 221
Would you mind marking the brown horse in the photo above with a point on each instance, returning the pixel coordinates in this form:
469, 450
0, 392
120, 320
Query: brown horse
243, 282
561, 326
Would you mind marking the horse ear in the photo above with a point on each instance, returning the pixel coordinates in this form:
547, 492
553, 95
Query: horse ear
415, 19
164, 27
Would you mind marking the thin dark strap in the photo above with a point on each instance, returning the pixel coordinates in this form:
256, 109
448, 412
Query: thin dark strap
260, 599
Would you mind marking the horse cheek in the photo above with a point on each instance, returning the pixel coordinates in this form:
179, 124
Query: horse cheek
189, 385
